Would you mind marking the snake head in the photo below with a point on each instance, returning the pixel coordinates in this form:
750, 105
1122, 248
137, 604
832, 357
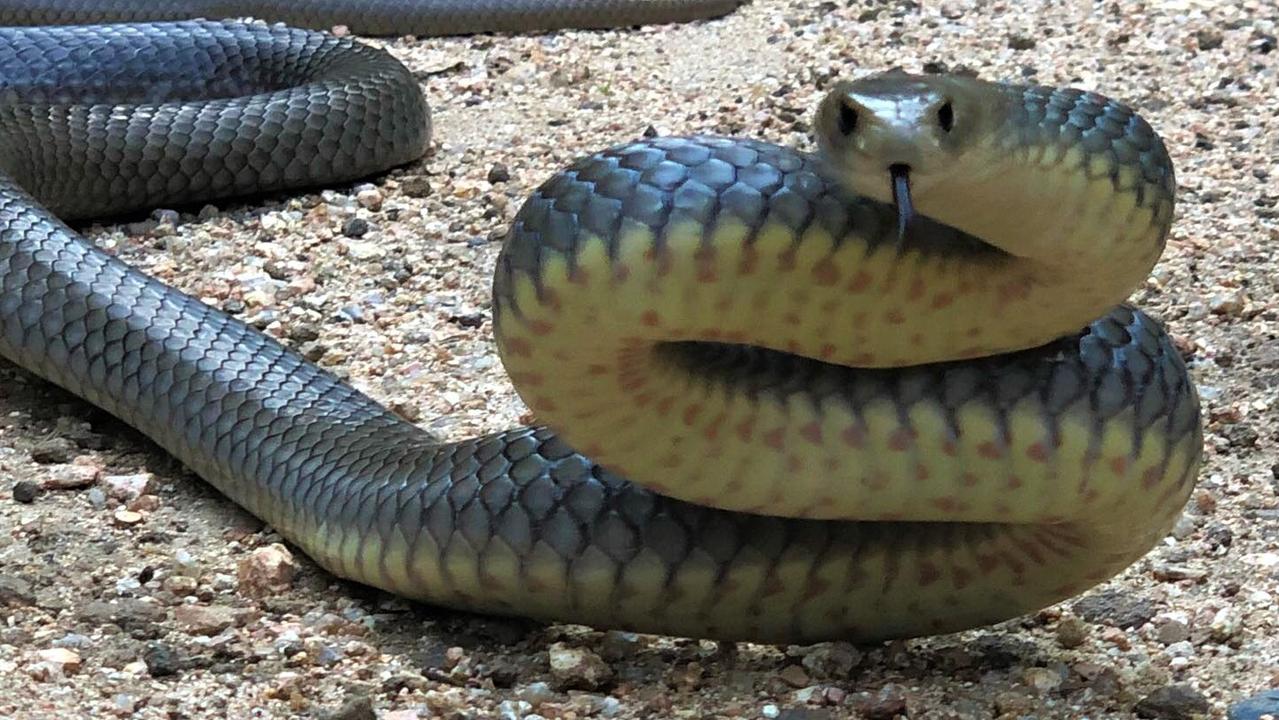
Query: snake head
894, 135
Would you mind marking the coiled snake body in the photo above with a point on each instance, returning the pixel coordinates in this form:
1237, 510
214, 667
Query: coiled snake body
883, 390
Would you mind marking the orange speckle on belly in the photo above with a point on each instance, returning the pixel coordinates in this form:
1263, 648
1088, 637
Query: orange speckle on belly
1151, 477
531, 379
949, 504
901, 439
1037, 452
712, 430
990, 451
854, 436
825, 273
1119, 465
518, 346
786, 261
775, 438
812, 432
916, 289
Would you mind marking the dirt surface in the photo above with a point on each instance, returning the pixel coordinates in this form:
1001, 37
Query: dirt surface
127, 585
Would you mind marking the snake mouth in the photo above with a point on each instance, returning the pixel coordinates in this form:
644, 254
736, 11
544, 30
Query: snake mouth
899, 174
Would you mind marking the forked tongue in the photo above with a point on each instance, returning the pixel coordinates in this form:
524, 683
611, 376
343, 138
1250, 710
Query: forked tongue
901, 199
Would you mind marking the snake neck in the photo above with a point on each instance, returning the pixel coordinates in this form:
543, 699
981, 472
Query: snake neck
1088, 231
1073, 189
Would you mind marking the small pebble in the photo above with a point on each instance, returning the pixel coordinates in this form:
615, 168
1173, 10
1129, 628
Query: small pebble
1042, 679
53, 451
161, 660
204, 619
498, 173
355, 227
831, 661
794, 676
54, 663
885, 704
130, 614
124, 704
72, 476
1019, 41
369, 198
536, 693
25, 491
514, 709
1014, 703
1116, 608
1225, 625
125, 517
1232, 303
266, 571
366, 250
1071, 632
416, 186
1172, 631
15, 591
128, 487
73, 640
577, 668
359, 708
1172, 702
1208, 38
1168, 572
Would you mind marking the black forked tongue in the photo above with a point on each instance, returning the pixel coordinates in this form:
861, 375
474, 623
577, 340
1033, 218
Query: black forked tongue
901, 198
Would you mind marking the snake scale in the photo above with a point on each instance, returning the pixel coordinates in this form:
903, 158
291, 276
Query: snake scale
885, 389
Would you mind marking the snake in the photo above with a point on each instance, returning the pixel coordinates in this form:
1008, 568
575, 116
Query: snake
886, 387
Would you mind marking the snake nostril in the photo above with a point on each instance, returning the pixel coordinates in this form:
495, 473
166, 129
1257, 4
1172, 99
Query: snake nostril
847, 119
946, 116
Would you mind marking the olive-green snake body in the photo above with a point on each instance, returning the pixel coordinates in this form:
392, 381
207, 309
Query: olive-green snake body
882, 390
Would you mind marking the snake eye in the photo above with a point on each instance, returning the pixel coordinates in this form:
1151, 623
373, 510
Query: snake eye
847, 120
946, 116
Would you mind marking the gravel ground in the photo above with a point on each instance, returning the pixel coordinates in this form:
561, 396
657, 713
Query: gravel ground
131, 589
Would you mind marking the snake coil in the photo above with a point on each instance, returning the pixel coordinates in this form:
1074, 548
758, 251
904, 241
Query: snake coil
882, 390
